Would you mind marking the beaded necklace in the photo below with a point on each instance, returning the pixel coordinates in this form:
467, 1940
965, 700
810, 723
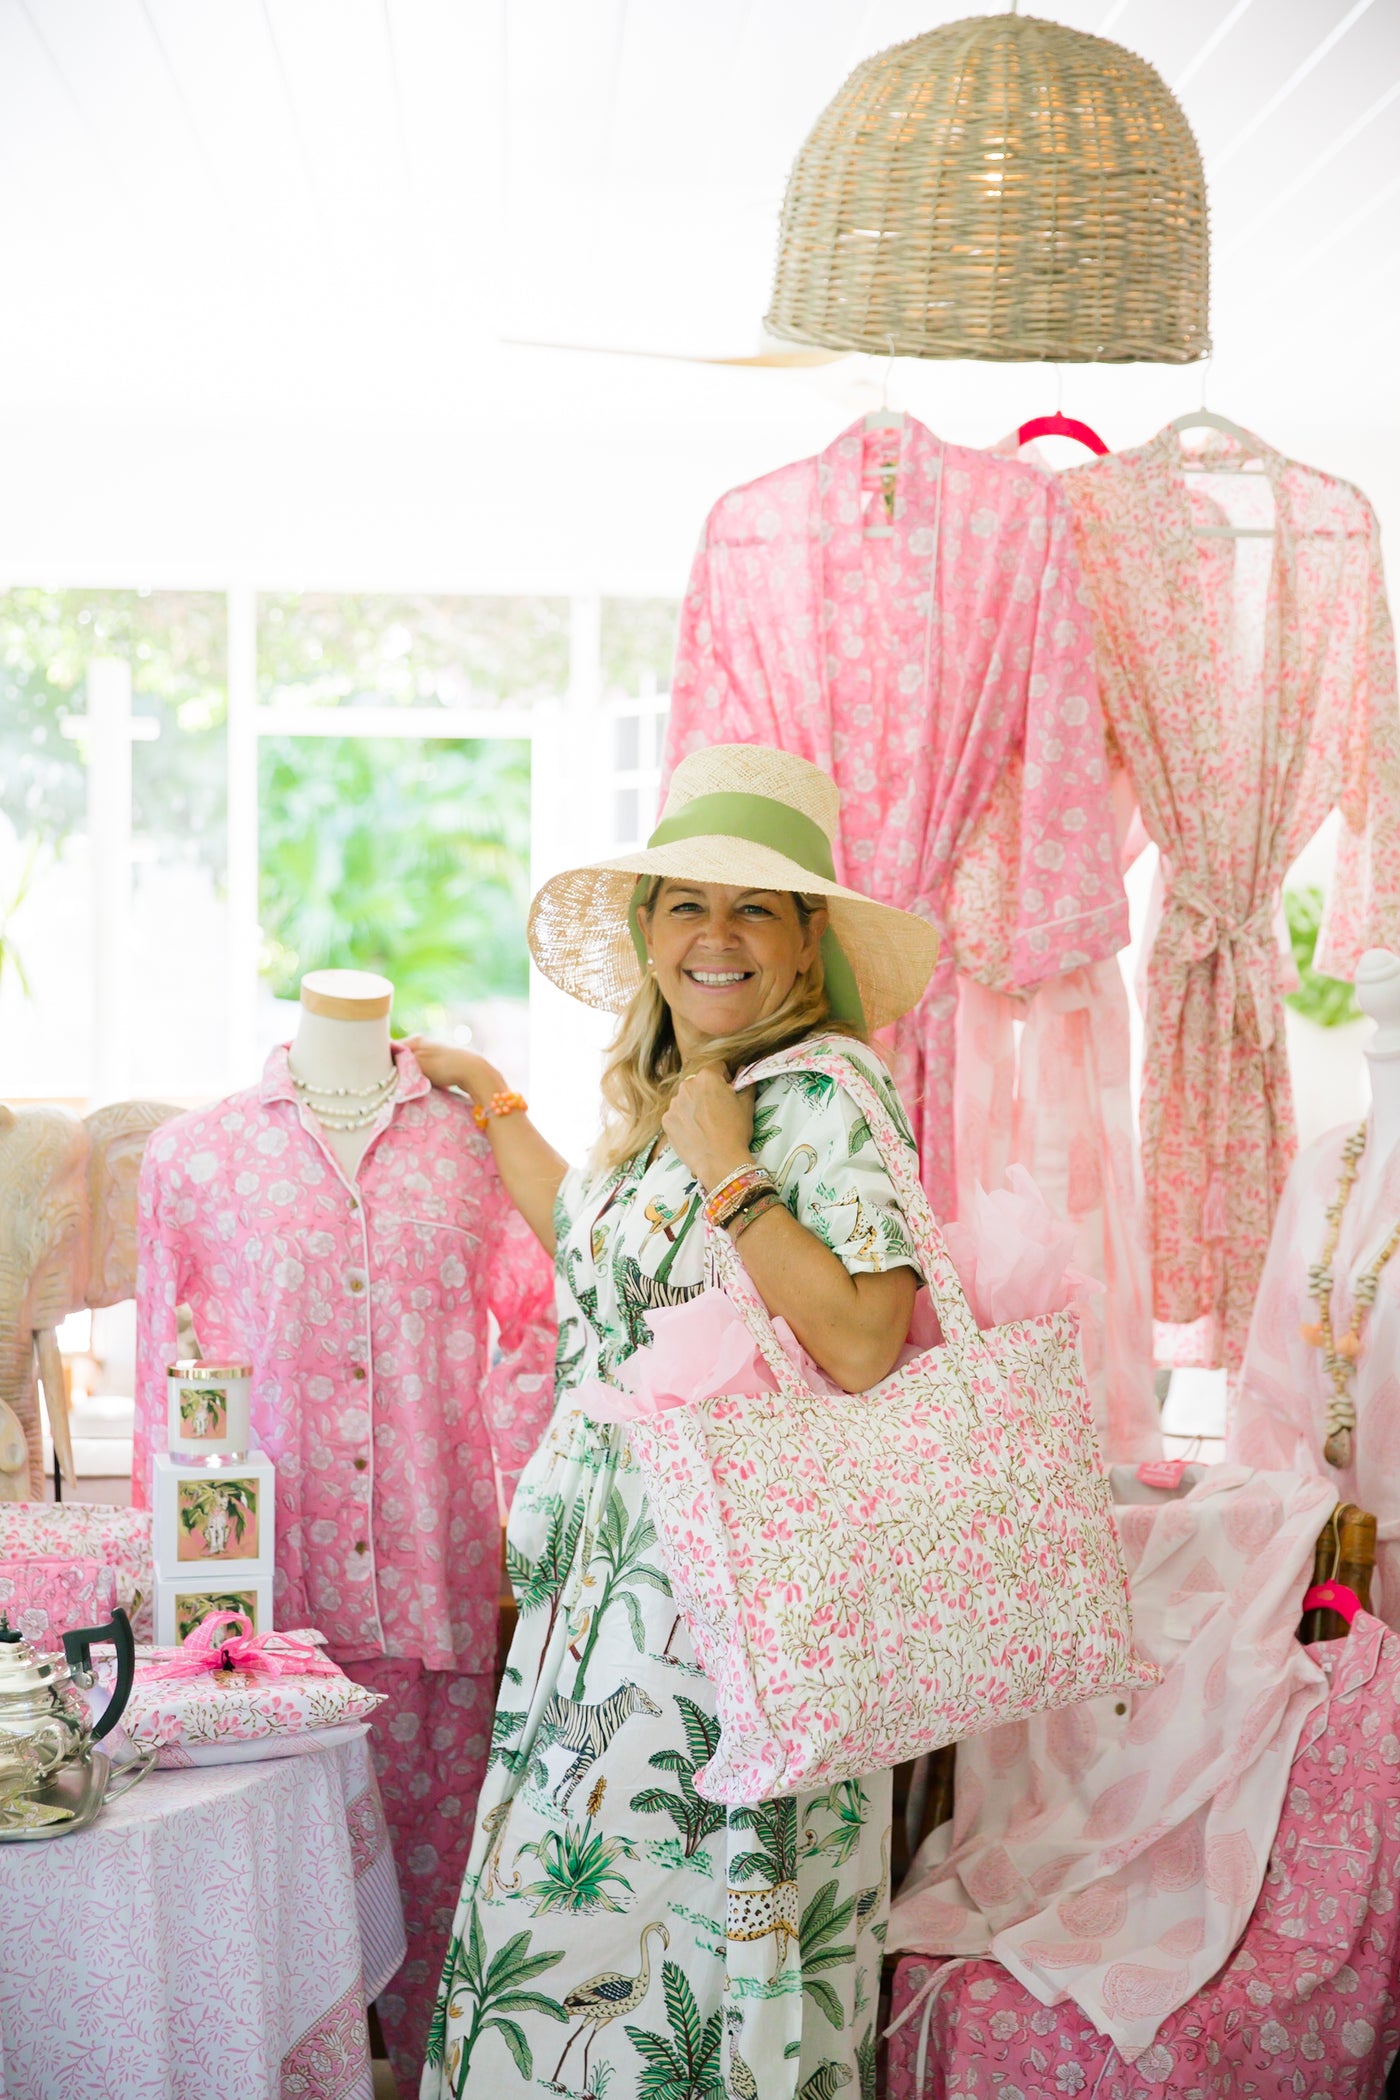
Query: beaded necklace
1339, 1354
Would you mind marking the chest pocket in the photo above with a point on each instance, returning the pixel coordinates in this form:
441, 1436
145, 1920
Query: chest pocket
1315, 1899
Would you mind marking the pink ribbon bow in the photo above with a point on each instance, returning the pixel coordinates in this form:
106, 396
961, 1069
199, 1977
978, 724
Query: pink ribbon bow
272, 1654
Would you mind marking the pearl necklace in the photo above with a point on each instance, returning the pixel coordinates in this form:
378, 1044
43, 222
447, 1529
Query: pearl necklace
346, 1107
1339, 1354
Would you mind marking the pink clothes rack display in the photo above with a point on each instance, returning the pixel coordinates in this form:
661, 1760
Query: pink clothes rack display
1247, 670
929, 672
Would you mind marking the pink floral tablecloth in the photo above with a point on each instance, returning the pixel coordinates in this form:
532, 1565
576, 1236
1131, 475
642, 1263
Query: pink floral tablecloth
216, 1933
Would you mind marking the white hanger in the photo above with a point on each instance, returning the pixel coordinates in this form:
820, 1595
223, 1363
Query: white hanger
1204, 418
883, 418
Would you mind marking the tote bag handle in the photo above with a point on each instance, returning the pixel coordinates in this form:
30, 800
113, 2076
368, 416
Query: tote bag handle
955, 1315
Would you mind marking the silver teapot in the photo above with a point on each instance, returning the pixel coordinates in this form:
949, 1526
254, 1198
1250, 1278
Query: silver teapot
42, 1726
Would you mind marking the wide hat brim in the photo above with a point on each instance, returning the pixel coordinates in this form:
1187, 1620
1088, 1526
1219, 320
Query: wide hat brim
581, 937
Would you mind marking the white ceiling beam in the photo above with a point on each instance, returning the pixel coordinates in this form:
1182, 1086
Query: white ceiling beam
1211, 45
1290, 86
1284, 197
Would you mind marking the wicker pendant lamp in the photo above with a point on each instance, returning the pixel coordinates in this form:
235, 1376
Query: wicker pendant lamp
1005, 188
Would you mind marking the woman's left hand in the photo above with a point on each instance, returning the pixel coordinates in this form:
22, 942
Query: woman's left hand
710, 1126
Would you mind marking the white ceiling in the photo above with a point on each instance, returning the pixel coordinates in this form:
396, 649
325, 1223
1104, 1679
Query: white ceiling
266, 260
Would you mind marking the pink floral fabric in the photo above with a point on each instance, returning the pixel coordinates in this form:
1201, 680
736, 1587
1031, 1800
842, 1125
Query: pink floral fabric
1060, 1104
831, 1657
919, 670
43, 1599
1309, 2002
1249, 686
176, 1716
1111, 1853
364, 1311
120, 1539
429, 1740
1278, 1405
209, 1934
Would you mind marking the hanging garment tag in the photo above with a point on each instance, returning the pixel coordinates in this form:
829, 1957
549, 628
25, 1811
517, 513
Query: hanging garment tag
1162, 1473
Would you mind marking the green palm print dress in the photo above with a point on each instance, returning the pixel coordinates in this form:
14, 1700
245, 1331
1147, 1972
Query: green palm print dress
617, 1935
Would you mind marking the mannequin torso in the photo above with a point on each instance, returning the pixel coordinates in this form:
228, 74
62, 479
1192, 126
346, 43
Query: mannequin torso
342, 1052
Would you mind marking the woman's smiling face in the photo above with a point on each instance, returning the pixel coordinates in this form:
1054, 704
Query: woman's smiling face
726, 958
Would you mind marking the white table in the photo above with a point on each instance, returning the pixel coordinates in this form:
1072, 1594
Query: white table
214, 1936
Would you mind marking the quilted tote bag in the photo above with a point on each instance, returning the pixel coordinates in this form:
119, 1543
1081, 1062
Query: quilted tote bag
867, 1577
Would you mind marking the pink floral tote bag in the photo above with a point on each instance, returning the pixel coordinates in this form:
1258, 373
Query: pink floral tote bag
867, 1577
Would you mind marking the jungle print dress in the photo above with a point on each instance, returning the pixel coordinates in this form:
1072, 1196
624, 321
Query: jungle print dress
617, 1935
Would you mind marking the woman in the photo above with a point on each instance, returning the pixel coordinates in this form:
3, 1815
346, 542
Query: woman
616, 1931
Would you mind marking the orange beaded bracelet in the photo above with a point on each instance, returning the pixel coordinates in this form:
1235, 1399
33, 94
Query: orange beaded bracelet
499, 1105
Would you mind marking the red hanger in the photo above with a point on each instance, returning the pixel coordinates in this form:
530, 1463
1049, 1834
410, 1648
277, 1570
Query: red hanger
1332, 1596
1061, 426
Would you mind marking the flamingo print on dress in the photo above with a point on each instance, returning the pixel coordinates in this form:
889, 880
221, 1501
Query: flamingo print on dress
603, 1999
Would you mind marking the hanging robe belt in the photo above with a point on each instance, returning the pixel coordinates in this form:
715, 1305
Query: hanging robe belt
1195, 930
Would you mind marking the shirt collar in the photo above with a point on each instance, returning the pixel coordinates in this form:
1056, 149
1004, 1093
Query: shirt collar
276, 1083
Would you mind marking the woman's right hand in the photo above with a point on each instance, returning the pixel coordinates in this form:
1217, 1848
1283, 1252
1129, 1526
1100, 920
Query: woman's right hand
444, 1064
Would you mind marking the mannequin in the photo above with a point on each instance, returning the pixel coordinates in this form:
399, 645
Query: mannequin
340, 1225
1378, 994
341, 1057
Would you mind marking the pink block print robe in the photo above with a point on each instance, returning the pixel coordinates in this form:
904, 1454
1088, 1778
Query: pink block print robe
1249, 684
363, 1310
920, 670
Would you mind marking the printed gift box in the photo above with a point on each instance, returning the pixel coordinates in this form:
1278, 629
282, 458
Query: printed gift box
213, 1523
181, 1604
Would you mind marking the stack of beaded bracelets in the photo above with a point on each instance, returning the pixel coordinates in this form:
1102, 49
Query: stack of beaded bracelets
499, 1105
741, 1199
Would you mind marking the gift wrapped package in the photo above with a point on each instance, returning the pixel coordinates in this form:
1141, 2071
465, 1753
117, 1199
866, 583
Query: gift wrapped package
119, 1538
228, 1695
44, 1597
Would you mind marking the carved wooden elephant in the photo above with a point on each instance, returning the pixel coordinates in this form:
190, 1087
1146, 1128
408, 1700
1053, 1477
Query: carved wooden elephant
67, 1240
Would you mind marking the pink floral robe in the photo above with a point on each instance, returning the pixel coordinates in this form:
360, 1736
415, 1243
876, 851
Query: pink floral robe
1278, 1405
1111, 1853
1307, 2005
363, 1308
1249, 685
920, 670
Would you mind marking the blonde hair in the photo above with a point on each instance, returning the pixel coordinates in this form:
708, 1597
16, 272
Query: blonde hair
644, 1064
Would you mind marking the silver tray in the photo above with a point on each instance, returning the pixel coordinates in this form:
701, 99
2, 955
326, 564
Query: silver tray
85, 1787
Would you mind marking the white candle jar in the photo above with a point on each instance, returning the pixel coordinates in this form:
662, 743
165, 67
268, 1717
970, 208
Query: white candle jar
208, 1410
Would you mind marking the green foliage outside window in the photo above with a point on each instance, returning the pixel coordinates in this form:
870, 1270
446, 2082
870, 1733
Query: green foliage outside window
1329, 1001
408, 855
328, 649
175, 643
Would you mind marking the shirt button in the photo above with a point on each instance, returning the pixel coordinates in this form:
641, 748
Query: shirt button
360, 1464
357, 1283
362, 1545
354, 1203
1120, 1708
360, 1371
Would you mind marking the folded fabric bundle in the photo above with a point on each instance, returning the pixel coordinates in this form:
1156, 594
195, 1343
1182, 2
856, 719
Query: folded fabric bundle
119, 1538
228, 1695
42, 1598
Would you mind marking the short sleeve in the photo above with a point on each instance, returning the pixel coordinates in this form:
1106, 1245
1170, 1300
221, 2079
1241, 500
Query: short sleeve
814, 1139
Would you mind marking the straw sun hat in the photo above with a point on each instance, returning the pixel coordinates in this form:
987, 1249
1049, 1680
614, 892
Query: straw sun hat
754, 818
